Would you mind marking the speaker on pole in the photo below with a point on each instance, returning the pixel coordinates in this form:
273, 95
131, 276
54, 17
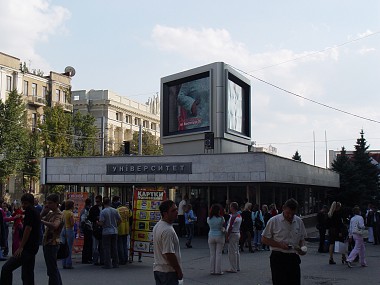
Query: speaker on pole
209, 140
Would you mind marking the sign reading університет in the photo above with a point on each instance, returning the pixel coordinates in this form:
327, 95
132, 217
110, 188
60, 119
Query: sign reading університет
149, 168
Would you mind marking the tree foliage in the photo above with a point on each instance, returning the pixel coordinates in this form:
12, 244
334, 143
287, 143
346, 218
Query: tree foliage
34, 149
367, 173
150, 145
13, 135
296, 156
359, 178
84, 134
348, 192
56, 132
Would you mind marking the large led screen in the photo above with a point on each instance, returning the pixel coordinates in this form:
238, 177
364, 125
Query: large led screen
187, 104
238, 94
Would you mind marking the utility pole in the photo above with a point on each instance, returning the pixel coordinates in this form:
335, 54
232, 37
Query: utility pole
140, 140
314, 146
102, 131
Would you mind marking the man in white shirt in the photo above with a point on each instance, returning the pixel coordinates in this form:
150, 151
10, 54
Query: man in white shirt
285, 234
181, 215
167, 256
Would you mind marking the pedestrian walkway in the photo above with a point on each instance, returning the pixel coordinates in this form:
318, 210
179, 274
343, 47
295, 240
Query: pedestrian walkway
254, 269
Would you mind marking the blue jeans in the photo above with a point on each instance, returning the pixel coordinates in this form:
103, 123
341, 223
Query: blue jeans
122, 246
190, 232
67, 236
165, 278
50, 255
97, 250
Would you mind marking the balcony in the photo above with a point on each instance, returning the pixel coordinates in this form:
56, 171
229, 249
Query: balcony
36, 100
67, 107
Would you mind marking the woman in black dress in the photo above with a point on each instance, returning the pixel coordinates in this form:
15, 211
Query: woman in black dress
337, 229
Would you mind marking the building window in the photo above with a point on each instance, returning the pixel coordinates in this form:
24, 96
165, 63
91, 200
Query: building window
9, 83
145, 124
44, 92
34, 121
137, 121
119, 116
26, 85
128, 119
153, 126
58, 95
34, 89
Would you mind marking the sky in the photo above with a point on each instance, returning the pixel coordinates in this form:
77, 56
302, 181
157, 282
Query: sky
326, 51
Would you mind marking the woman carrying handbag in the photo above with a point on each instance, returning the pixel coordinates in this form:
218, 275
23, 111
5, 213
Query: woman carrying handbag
356, 232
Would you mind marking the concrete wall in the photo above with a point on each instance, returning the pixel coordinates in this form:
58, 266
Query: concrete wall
206, 169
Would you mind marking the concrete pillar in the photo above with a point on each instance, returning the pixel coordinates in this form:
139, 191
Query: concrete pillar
258, 195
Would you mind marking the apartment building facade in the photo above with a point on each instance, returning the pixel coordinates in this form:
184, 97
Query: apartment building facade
38, 91
117, 117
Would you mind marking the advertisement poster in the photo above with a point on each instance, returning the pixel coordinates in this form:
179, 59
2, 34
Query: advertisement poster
189, 106
146, 214
79, 199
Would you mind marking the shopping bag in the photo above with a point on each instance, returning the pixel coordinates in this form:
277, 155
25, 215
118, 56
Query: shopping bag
341, 247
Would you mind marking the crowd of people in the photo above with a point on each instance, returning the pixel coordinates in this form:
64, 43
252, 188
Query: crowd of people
105, 227
347, 229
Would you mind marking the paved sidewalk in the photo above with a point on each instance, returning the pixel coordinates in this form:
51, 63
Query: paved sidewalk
254, 269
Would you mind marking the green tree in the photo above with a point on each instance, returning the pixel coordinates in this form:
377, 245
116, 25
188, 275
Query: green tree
150, 145
13, 135
32, 167
348, 191
367, 173
85, 131
56, 132
296, 156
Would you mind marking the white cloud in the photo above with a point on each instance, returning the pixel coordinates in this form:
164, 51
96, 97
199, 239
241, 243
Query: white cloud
208, 45
24, 24
365, 50
366, 33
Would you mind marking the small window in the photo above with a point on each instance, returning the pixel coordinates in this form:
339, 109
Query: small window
34, 121
137, 121
44, 92
34, 89
9, 83
58, 95
119, 116
153, 126
26, 85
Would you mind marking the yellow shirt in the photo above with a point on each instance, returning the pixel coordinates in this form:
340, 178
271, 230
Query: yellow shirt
68, 217
125, 214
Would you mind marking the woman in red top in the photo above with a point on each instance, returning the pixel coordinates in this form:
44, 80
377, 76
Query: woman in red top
18, 215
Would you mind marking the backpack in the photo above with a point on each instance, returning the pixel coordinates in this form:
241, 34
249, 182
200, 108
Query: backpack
258, 223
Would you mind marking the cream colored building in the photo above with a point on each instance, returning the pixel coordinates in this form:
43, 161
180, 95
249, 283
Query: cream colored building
117, 117
38, 91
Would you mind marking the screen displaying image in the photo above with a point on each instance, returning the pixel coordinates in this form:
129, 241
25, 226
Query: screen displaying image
187, 103
237, 106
